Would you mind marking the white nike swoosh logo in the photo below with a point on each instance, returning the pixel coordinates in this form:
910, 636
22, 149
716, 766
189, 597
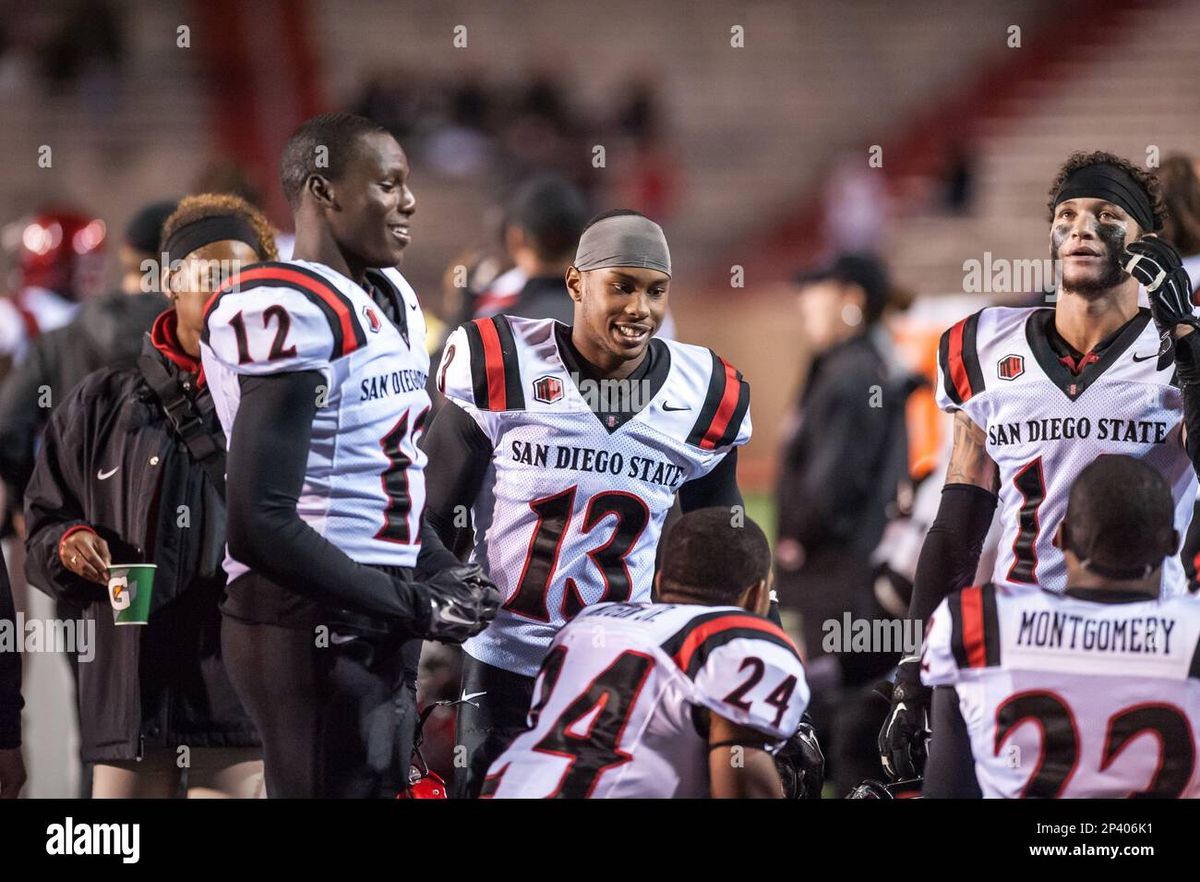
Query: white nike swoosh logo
104, 476
467, 696
451, 616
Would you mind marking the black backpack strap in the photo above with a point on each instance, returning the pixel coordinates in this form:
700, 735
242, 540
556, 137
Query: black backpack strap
189, 418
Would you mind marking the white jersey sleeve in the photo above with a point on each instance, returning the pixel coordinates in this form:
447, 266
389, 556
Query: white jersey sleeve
937, 659
959, 375
721, 420
275, 318
748, 671
463, 367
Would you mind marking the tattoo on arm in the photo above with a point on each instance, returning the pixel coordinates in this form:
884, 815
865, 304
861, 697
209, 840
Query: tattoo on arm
969, 460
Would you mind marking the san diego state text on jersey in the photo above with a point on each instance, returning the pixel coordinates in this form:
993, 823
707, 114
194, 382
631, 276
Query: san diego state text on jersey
621, 695
364, 485
1071, 698
1044, 423
570, 513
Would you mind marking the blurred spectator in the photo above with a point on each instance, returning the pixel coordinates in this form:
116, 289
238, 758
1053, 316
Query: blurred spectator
1181, 193
855, 206
1180, 179
462, 145
650, 183
107, 332
958, 179
543, 221
842, 462
60, 258
87, 40
392, 98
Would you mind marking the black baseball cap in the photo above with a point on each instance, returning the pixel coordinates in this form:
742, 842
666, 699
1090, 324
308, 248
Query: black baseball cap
864, 270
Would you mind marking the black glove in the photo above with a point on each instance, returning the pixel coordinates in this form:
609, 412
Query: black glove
905, 732
462, 601
1157, 265
801, 764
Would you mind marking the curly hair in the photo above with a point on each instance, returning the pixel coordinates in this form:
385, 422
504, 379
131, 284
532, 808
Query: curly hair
1148, 181
194, 208
1181, 193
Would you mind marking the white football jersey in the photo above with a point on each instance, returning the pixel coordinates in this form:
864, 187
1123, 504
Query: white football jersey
569, 514
617, 703
364, 487
1064, 697
1044, 424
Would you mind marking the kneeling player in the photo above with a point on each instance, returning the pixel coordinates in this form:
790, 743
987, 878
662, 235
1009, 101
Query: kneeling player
1093, 693
684, 698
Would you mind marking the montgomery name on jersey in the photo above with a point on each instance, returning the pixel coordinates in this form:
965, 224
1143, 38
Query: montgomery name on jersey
364, 485
571, 509
1064, 697
1045, 423
620, 701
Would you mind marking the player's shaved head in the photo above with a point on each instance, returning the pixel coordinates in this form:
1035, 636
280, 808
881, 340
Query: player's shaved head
323, 145
713, 556
1120, 518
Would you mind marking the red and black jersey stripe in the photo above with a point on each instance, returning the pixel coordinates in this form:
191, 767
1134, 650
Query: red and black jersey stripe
495, 369
725, 406
958, 357
337, 308
695, 641
974, 627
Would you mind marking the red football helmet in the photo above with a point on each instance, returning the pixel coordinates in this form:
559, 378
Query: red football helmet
428, 785
61, 251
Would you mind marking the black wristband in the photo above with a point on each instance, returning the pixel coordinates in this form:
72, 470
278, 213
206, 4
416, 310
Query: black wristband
1187, 359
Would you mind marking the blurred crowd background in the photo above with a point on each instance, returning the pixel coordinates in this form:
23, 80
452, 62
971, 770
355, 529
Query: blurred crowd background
768, 138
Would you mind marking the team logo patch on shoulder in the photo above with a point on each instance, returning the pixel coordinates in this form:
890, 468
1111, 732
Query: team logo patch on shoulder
547, 389
372, 319
1010, 367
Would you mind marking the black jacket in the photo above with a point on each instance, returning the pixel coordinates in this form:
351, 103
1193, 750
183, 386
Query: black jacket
846, 454
161, 506
106, 333
10, 673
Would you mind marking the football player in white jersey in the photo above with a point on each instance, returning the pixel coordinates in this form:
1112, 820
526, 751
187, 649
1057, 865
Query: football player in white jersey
317, 367
1038, 393
568, 446
1094, 692
688, 697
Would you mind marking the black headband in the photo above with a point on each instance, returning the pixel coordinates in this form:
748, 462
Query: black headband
207, 230
1112, 184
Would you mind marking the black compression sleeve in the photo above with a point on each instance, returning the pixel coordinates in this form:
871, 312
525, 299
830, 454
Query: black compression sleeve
267, 460
718, 488
459, 456
433, 556
1187, 367
952, 546
950, 769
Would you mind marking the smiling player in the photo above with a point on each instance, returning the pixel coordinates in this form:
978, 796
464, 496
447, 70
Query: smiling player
569, 444
333, 577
